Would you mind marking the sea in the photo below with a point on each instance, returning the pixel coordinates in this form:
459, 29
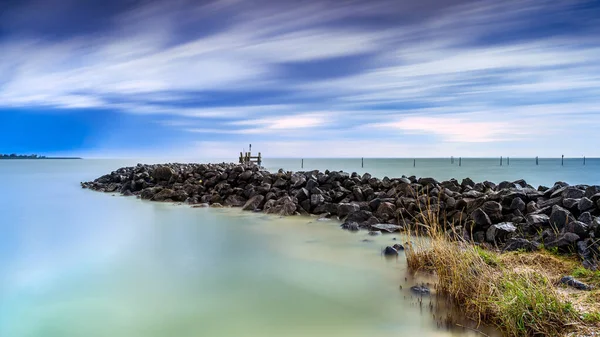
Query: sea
78, 263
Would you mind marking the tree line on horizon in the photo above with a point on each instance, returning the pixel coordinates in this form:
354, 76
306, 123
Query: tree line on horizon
21, 156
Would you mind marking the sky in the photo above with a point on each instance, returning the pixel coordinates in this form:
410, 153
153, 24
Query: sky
327, 78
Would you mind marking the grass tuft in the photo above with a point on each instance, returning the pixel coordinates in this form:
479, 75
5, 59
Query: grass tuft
514, 291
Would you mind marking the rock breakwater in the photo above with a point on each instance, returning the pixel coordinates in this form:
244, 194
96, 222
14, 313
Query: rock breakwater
509, 215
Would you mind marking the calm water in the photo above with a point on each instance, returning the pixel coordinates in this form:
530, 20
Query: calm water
547, 172
80, 263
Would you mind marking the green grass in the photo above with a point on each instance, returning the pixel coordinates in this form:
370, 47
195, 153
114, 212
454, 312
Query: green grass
591, 317
527, 305
491, 259
586, 275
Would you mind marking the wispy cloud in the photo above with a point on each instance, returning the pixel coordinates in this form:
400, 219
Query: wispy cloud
460, 71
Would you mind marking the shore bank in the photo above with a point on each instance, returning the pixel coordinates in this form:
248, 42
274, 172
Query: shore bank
506, 217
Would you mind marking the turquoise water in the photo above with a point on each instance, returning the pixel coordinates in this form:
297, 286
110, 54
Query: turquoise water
79, 263
547, 172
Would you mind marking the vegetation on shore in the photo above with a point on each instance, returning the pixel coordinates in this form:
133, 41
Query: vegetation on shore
518, 292
31, 156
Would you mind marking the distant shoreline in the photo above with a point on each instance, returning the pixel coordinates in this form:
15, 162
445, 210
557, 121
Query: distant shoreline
40, 158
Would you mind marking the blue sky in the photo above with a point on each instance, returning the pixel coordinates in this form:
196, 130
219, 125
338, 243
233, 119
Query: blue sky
300, 79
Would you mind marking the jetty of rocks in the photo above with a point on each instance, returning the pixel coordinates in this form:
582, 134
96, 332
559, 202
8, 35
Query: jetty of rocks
509, 215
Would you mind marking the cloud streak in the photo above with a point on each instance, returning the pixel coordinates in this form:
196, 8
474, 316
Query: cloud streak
459, 71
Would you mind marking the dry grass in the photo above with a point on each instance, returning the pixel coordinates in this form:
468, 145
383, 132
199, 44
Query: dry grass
517, 292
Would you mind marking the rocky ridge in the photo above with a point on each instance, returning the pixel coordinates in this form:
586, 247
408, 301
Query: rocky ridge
509, 215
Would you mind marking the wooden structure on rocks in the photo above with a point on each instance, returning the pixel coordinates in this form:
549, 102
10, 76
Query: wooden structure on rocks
246, 158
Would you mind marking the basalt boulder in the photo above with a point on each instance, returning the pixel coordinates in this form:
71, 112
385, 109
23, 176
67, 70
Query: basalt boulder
499, 233
163, 173
346, 208
255, 202
520, 244
559, 217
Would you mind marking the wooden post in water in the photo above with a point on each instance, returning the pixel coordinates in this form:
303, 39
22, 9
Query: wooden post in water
414, 163
362, 162
562, 161
302, 165
537, 161
500, 160
508, 161
583, 160
459, 161
452, 160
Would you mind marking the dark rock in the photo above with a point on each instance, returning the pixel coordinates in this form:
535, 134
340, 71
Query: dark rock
358, 194
473, 194
346, 208
518, 203
359, 216
569, 203
504, 185
493, 209
531, 207
374, 204
127, 193
311, 183
537, 221
592, 190
549, 202
216, 205
389, 251
148, 193
427, 181
163, 195
316, 200
350, 226
515, 244
420, 290
467, 182
256, 202
280, 183
585, 204
520, 182
481, 219
162, 173
245, 175
559, 217
285, 206
302, 194
565, 242
398, 247
389, 228
386, 208
576, 227
479, 236
573, 192
374, 233
235, 201
572, 282
298, 181
583, 249
586, 218
500, 232
326, 207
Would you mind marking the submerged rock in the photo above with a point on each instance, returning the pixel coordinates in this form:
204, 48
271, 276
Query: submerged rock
420, 290
390, 251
